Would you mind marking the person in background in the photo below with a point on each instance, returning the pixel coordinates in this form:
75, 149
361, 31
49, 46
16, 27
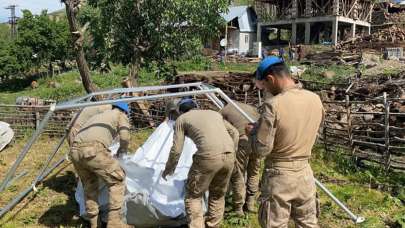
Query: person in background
244, 190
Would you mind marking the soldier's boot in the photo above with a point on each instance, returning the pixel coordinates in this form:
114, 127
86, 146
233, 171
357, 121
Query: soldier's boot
250, 204
114, 220
94, 222
238, 209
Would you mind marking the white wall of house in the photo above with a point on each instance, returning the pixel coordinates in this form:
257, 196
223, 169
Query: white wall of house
233, 41
246, 40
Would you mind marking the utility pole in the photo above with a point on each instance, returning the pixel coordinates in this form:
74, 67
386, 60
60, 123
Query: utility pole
12, 21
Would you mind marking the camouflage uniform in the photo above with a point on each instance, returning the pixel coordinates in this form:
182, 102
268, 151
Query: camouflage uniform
82, 117
285, 135
245, 162
212, 166
92, 160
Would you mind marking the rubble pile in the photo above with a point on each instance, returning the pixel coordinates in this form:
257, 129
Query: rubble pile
383, 17
234, 58
237, 85
389, 28
343, 57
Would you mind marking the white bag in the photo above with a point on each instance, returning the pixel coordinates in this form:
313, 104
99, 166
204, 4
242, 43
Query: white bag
6, 134
150, 200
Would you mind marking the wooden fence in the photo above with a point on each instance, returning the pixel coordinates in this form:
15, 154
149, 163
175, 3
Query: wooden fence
367, 130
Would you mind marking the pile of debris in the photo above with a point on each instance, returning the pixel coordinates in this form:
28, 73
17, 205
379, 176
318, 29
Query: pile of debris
388, 28
237, 85
383, 37
332, 57
234, 58
384, 17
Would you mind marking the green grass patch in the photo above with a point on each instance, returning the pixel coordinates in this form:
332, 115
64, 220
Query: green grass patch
314, 73
54, 206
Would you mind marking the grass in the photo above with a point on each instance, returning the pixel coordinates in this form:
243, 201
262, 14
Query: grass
315, 73
53, 205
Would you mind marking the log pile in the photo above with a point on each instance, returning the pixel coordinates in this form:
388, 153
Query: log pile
341, 57
233, 58
388, 28
383, 17
384, 37
237, 85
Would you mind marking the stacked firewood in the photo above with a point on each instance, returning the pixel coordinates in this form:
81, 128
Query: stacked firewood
344, 57
237, 85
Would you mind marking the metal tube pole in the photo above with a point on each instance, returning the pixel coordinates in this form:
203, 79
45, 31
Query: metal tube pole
136, 89
355, 218
55, 151
132, 99
24, 193
210, 97
26, 148
205, 86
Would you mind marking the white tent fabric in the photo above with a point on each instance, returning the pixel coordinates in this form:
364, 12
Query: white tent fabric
149, 198
6, 134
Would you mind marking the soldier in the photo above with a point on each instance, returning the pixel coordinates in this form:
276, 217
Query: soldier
172, 111
245, 161
285, 134
82, 117
92, 160
212, 165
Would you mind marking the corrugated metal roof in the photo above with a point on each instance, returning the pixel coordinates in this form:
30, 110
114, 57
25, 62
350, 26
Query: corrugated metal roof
245, 21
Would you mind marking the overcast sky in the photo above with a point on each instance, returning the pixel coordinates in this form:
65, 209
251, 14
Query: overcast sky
35, 6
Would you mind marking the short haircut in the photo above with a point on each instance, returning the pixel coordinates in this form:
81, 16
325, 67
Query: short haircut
278, 70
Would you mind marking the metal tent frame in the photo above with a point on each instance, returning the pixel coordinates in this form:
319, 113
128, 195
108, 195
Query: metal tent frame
201, 89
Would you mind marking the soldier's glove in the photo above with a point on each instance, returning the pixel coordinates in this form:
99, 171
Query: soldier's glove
166, 173
121, 152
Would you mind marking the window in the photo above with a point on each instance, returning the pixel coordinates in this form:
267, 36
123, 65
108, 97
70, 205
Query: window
246, 39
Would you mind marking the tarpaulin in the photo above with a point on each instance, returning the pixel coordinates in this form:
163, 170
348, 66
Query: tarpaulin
150, 200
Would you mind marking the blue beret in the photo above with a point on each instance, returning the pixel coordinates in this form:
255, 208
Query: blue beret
265, 64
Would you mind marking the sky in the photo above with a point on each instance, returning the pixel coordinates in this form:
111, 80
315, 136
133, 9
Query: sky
35, 6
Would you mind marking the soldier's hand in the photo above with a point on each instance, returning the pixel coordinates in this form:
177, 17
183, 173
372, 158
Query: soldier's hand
165, 174
249, 128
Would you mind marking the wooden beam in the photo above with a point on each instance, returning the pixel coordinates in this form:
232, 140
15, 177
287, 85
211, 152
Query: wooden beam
351, 9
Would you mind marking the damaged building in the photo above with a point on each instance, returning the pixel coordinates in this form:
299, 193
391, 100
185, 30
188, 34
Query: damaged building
311, 21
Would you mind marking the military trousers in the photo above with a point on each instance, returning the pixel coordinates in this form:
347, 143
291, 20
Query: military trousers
72, 134
247, 163
212, 175
92, 161
288, 190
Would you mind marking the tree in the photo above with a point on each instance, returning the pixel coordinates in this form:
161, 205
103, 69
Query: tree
138, 32
4, 32
72, 8
8, 61
42, 40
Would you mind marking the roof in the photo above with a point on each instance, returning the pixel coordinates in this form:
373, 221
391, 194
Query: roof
246, 17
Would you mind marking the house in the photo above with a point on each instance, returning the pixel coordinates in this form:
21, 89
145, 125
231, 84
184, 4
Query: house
315, 21
240, 31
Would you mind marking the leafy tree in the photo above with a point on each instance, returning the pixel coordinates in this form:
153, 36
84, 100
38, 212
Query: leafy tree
138, 32
42, 40
9, 65
4, 32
